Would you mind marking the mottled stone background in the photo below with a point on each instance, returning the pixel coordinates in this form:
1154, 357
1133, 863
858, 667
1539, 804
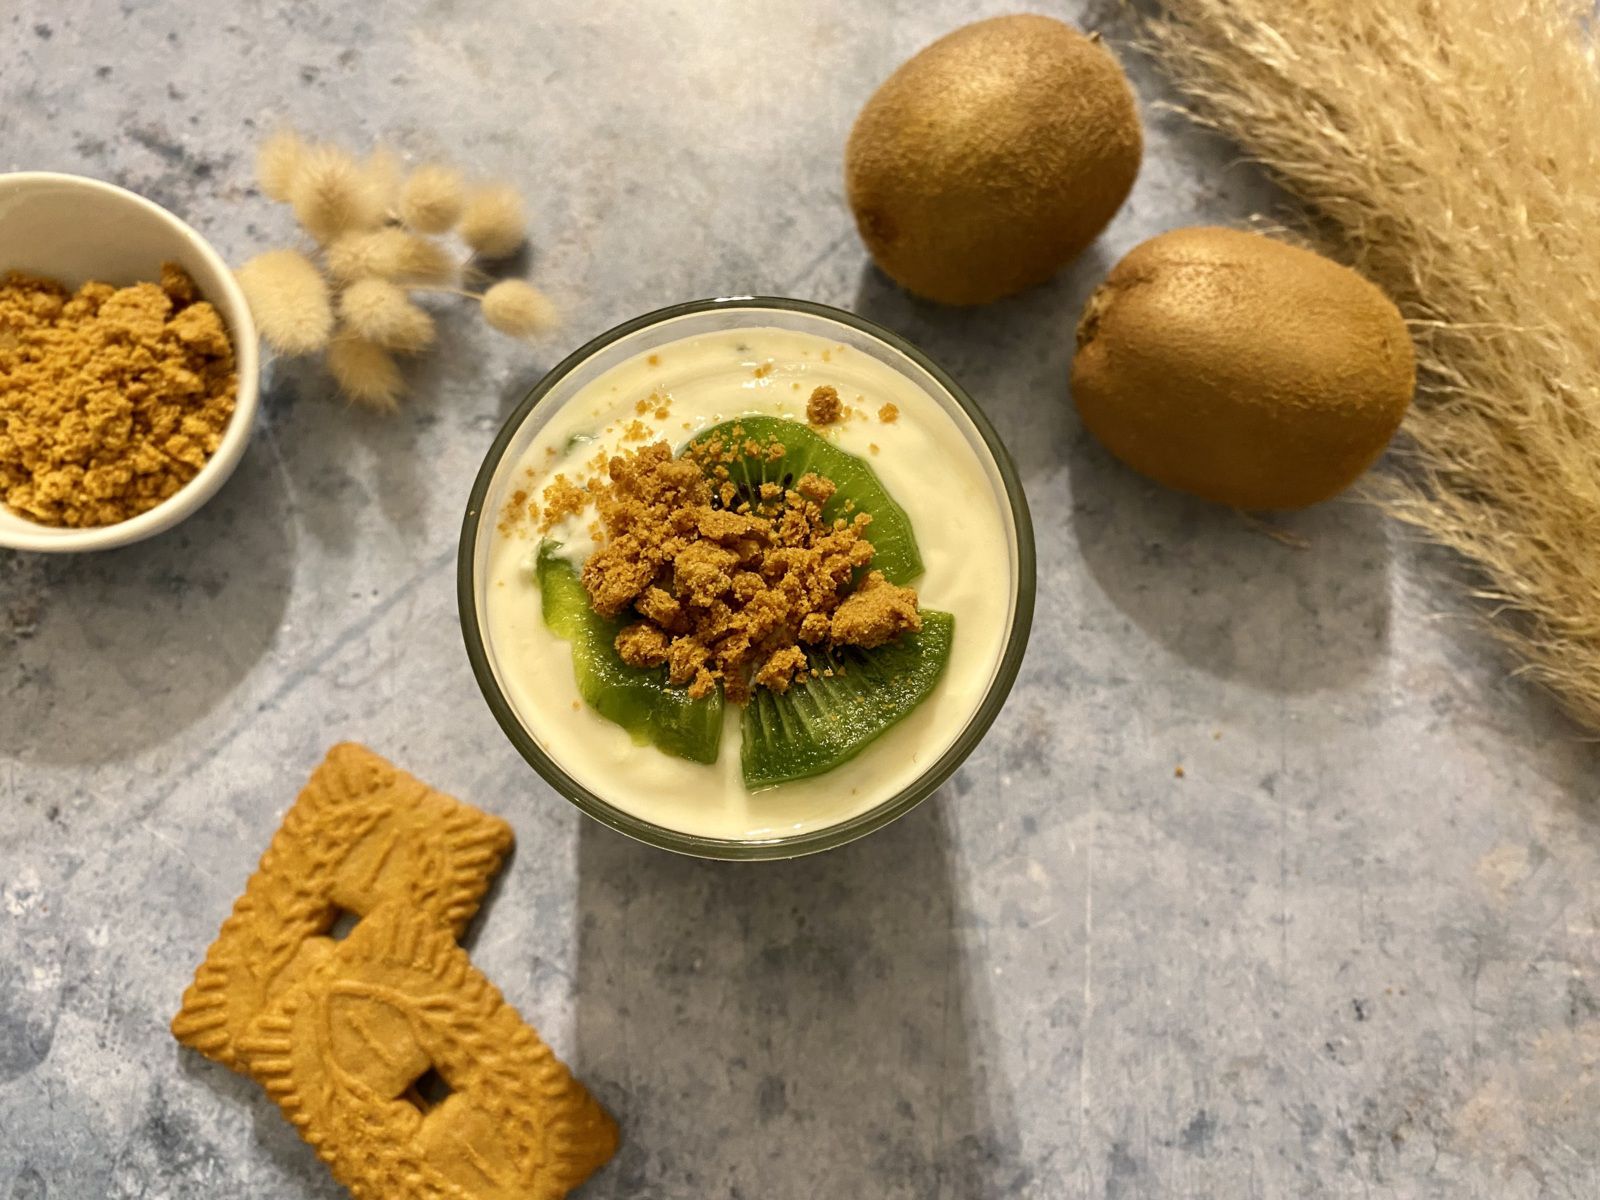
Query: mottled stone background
1350, 952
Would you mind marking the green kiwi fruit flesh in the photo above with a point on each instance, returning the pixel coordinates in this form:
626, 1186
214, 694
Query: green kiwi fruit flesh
858, 487
640, 700
829, 719
851, 695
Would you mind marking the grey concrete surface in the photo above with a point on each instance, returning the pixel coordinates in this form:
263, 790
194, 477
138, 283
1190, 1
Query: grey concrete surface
1351, 951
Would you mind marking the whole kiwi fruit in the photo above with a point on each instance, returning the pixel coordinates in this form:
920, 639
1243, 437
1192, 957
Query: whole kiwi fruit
992, 158
1241, 369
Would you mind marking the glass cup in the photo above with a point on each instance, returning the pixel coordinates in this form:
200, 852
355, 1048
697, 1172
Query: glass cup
655, 329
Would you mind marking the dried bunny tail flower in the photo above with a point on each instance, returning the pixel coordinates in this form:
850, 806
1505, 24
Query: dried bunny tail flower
331, 195
382, 170
391, 254
278, 161
431, 198
492, 222
519, 309
365, 371
289, 299
381, 312
358, 256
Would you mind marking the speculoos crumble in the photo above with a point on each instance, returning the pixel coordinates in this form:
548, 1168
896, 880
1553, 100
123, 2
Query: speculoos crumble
721, 587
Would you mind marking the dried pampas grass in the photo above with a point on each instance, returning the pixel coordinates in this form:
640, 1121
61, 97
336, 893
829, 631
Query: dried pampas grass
289, 299
1451, 153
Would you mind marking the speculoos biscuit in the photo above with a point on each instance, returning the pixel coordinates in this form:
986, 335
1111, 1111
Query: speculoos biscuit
398, 1002
361, 832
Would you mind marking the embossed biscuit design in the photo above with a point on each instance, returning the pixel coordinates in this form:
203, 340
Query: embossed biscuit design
361, 832
357, 1052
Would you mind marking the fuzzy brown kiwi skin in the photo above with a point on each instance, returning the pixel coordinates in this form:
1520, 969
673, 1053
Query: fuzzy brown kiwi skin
1241, 369
992, 158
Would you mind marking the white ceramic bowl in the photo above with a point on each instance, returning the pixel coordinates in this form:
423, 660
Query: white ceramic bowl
75, 229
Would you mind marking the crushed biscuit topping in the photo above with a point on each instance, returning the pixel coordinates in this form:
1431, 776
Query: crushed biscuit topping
889, 414
719, 585
111, 399
518, 507
823, 408
562, 499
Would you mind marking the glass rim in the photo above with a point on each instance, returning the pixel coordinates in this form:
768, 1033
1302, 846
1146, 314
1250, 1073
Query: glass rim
786, 846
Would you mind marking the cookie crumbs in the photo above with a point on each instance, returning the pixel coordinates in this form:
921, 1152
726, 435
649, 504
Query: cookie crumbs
562, 499
875, 613
823, 408
763, 370
889, 414
1177, 772
872, 447
518, 508
110, 399
637, 431
654, 360
720, 587
643, 645
780, 669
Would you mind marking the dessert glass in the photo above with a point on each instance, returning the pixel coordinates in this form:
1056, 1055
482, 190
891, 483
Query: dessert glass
495, 482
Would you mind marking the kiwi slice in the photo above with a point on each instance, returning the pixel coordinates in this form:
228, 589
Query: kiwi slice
638, 699
829, 719
893, 542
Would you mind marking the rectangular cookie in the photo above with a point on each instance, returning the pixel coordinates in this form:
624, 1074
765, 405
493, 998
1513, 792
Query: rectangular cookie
361, 832
358, 1051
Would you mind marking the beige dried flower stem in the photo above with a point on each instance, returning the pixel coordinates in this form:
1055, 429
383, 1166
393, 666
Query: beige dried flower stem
1450, 152
537, 315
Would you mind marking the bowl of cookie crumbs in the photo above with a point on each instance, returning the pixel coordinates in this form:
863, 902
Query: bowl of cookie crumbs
128, 366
